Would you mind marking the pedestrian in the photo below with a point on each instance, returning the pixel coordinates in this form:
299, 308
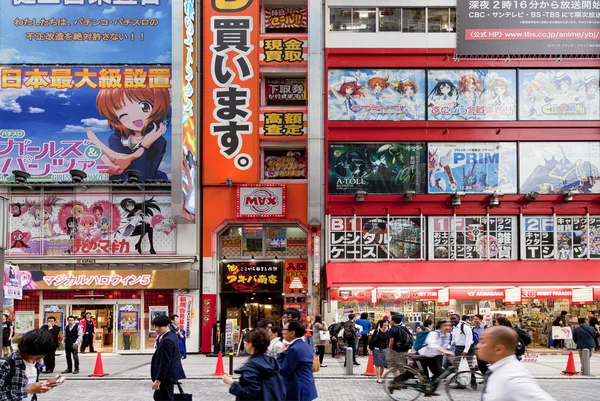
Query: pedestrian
260, 376
507, 379
378, 347
435, 346
523, 339
478, 328
20, 371
350, 332
88, 326
560, 321
334, 333
596, 326
166, 369
366, 325
179, 333
54, 329
584, 337
308, 333
296, 361
320, 342
288, 315
276, 342
265, 324
462, 340
8, 332
72, 340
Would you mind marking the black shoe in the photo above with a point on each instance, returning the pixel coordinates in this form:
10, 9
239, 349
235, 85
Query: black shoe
48, 371
473, 386
76, 371
94, 352
356, 364
460, 387
67, 371
323, 366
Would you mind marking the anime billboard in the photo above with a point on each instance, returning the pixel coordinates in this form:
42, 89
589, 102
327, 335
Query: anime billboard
101, 120
472, 167
382, 95
91, 224
559, 167
559, 95
472, 95
377, 168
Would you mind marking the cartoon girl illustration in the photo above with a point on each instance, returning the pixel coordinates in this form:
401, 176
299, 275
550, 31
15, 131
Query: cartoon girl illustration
564, 92
410, 105
591, 97
98, 212
379, 91
536, 97
469, 89
72, 227
346, 92
136, 224
498, 94
77, 211
43, 215
87, 227
104, 226
139, 118
442, 99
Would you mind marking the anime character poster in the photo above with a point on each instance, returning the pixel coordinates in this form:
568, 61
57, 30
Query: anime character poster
377, 168
559, 167
559, 95
101, 120
456, 95
128, 319
285, 164
472, 167
382, 95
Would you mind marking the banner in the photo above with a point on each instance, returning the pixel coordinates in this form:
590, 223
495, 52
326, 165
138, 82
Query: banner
282, 90
583, 296
259, 276
91, 224
284, 50
279, 19
101, 120
559, 95
128, 319
156, 311
558, 167
231, 90
472, 167
377, 168
383, 95
12, 282
528, 28
261, 201
86, 31
183, 308
472, 95
285, 164
296, 276
562, 333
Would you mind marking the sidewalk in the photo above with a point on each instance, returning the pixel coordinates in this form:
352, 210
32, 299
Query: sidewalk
137, 367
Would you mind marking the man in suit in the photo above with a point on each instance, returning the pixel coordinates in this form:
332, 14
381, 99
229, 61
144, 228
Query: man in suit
50, 359
166, 367
296, 360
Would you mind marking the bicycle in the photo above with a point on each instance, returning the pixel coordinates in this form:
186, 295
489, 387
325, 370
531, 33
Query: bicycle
458, 384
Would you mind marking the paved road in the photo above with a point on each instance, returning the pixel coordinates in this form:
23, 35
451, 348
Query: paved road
329, 389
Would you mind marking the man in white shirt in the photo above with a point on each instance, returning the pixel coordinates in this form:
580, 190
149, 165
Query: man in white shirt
506, 379
462, 340
435, 346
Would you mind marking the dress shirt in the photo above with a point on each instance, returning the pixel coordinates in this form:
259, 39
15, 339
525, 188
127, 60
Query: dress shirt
79, 333
509, 380
435, 343
462, 340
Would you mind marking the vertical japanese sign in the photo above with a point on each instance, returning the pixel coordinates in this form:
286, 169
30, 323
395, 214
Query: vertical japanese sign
231, 90
183, 309
296, 275
188, 133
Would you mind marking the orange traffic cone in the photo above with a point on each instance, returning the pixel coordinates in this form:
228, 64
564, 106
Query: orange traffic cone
98, 369
570, 370
219, 370
370, 367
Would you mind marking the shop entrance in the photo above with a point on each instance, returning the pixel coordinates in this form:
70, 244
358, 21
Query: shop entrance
103, 316
248, 308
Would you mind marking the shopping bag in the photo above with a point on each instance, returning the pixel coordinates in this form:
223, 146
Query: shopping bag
324, 335
465, 378
316, 365
182, 396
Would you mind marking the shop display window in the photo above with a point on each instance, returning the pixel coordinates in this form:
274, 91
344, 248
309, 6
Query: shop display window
413, 20
340, 19
263, 242
472, 237
285, 164
364, 20
441, 20
390, 19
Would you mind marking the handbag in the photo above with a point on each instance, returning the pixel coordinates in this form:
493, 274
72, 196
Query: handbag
182, 396
324, 335
316, 365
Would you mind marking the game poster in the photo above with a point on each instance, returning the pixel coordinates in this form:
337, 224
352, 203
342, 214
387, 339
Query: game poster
559, 167
472, 167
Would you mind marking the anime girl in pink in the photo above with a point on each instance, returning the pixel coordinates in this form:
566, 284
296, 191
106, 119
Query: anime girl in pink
346, 92
42, 214
87, 228
469, 89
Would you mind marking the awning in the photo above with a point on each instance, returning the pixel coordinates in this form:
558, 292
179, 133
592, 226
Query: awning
504, 273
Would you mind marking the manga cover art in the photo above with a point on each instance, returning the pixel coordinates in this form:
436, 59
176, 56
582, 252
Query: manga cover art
381, 95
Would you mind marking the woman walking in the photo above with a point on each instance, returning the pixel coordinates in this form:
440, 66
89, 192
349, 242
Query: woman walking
308, 333
320, 343
378, 347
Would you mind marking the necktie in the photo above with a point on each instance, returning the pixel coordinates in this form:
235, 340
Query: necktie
486, 377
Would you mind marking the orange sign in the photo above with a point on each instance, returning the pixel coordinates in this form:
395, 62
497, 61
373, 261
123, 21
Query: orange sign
296, 275
231, 91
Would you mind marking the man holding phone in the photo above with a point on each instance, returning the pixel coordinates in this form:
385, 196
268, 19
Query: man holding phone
72, 338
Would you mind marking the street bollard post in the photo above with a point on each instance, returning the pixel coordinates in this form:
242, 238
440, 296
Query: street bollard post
349, 361
231, 364
585, 363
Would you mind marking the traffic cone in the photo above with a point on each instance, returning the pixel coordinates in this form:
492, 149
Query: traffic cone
98, 369
570, 370
219, 370
370, 367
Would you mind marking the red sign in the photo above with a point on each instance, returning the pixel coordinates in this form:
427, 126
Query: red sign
495, 293
261, 201
209, 318
546, 293
296, 275
348, 295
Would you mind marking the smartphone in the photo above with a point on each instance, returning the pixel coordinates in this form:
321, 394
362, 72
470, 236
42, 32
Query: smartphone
57, 380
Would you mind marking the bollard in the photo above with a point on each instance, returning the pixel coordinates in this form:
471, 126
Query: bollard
349, 361
231, 364
585, 363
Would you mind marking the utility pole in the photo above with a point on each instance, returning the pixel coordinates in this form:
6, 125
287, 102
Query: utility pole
3, 233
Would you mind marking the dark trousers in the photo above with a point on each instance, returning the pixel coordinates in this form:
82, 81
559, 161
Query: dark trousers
458, 352
165, 392
50, 360
351, 342
434, 365
482, 365
126, 343
364, 339
321, 352
69, 350
88, 340
335, 349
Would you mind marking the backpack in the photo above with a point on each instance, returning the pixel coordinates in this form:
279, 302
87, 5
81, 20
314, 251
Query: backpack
475, 335
349, 329
524, 341
403, 339
334, 329
420, 341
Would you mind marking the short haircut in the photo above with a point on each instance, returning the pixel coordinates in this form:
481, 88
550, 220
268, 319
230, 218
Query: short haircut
581, 320
351, 316
161, 321
564, 313
51, 318
259, 338
297, 327
428, 323
502, 321
263, 323
503, 335
397, 319
173, 316
318, 319
480, 317
71, 317
440, 323
37, 342
88, 313
276, 330
455, 314
464, 318
364, 315
293, 313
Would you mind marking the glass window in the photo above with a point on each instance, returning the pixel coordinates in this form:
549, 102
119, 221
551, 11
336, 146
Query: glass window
413, 20
438, 20
340, 19
296, 242
452, 25
364, 20
231, 242
276, 241
252, 241
390, 19
261, 241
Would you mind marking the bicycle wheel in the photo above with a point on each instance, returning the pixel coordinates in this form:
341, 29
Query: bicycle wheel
465, 385
406, 390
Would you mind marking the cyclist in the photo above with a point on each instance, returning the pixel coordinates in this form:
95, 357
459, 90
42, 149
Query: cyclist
436, 345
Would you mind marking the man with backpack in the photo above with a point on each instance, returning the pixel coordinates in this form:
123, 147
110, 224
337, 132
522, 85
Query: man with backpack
477, 332
420, 340
334, 332
435, 347
350, 337
401, 341
462, 340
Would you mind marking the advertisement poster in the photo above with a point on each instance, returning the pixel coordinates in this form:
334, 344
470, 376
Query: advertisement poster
472, 95
57, 313
383, 95
472, 167
91, 224
156, 311
283, 123
559, 95
100, 120
128, 319
559, 167
370, 238
184, 306
527, 28
285, 18
24, 322
377, 168
472, 237
285, 164
259, 276
296, 276
284, 50
86, 31
285, 89
12, 282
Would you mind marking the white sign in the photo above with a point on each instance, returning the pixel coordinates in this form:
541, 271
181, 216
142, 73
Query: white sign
12, 282
512, 296
260, 201
583, 296
444, 296
561, 333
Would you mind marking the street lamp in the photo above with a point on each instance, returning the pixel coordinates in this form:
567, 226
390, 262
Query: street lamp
3, 232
